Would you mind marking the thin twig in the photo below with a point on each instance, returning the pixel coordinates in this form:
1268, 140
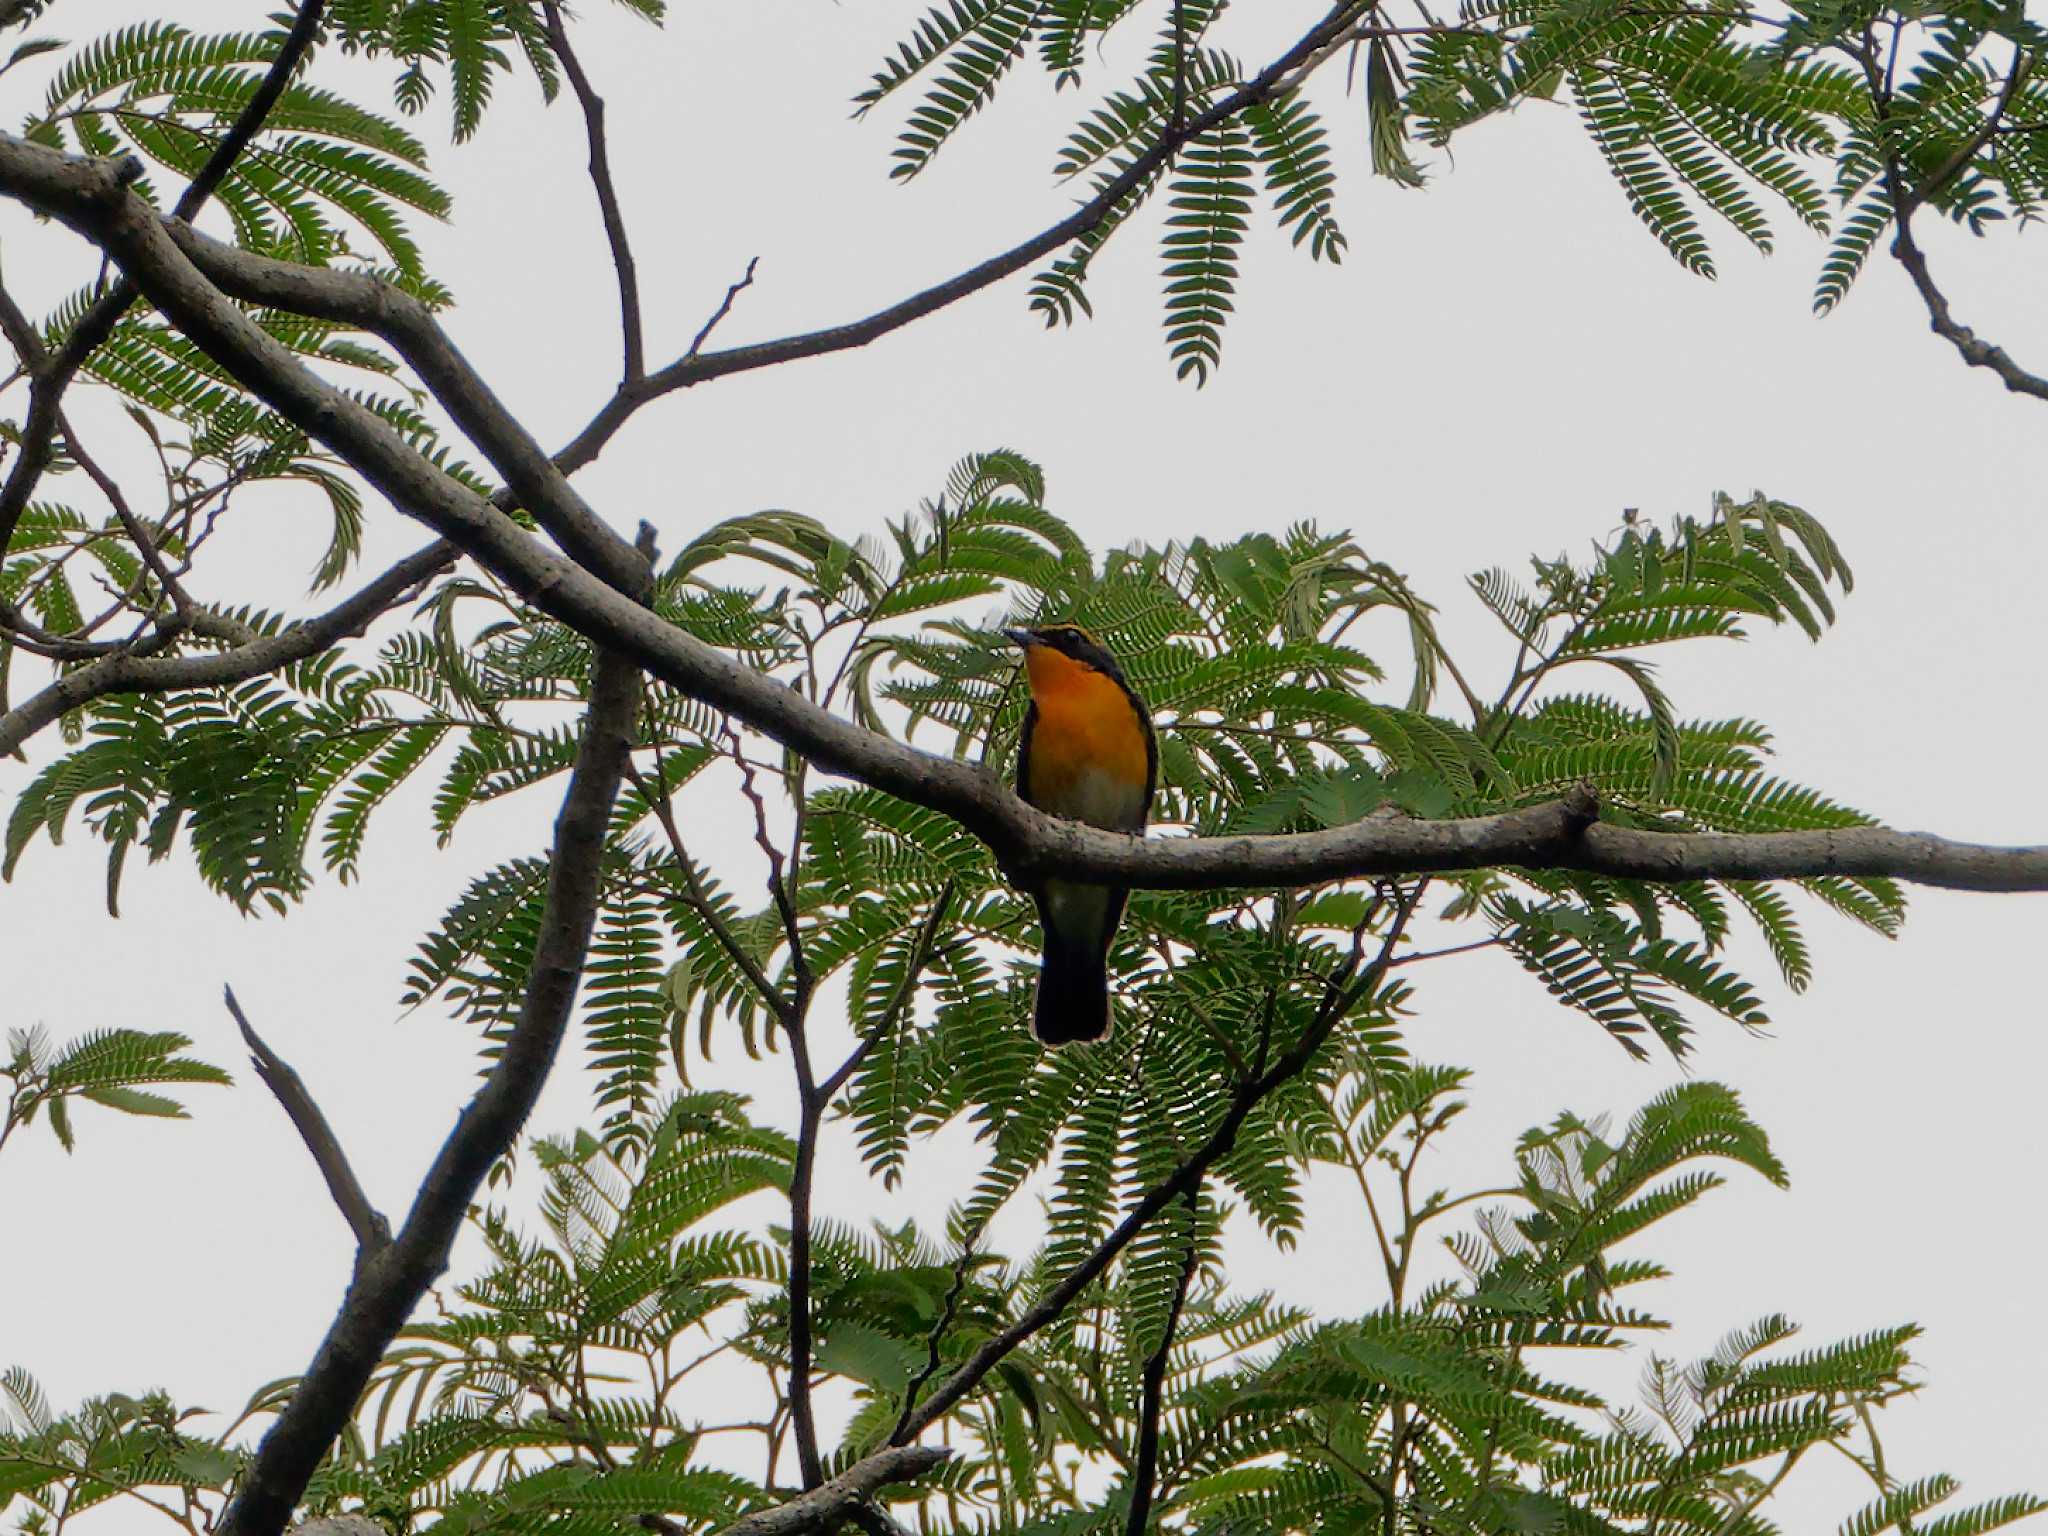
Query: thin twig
906, 990
1152, 1395
963, 1267
698, 899
695, 368
373, 1232
145, 544
635, 365
49, 381
1906, 249
724, 308
1346, 989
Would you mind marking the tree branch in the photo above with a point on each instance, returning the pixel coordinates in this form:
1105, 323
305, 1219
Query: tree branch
373, 1233
1152, 1396
690, 370
635, 364
1561, 834
53, 376
132, 669
834, 1500
389, 1283
532, 480
1908, 200
1342, 996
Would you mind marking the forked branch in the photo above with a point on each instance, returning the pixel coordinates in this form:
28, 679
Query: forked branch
389, 1283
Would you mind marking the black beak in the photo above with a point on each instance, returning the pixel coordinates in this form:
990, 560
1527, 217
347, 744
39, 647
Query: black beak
1022, 637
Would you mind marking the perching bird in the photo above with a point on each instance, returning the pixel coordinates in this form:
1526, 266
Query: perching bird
1088, 754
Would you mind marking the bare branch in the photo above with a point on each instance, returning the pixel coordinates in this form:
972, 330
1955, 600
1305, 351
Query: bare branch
690, 370
836, 1499
724, 307
373, 1233
1906, 250
390, 1283
145, 544
699, 900
131, 669
906, 992
1971, 347
963, 1268
635, 365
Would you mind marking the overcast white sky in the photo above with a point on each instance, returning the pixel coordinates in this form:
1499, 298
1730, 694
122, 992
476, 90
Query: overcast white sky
1501, 365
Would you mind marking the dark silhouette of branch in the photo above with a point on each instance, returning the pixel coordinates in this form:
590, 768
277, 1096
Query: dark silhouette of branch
802, 1171
388, 1284
50, 378
704, 331
532, 480
373, 1233
692, 369
836, 1499
1971, 347
1908, 199
144, 541
132, 669
635, 364
906, 993
1344, 991
963, 1268
1562, 834
1152, 1395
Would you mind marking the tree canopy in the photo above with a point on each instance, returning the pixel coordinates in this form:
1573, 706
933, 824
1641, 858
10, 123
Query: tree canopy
1349, 796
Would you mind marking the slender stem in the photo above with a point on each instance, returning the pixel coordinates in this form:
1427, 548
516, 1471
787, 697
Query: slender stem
635, 362
49, 381
372, 1232
1345, 990
1152, 1395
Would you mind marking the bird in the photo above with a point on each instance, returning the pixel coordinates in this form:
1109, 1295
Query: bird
1087, 753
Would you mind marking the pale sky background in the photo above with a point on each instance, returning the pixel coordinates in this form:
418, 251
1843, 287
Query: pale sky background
1501, 365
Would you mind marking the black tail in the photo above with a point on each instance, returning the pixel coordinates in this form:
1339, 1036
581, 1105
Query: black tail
1073, 994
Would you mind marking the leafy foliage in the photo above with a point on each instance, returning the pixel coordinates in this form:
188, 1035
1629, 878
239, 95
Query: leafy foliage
1701, 116
108, 1067
521, 1404
1297, 683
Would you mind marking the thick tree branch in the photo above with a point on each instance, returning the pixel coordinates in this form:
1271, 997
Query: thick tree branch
635, 362
53, 375
835, 1499
388, 1285
131, 669
372, 1232
1561, 834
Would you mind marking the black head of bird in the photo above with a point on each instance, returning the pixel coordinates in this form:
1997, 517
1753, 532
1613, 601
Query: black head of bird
1088, 754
